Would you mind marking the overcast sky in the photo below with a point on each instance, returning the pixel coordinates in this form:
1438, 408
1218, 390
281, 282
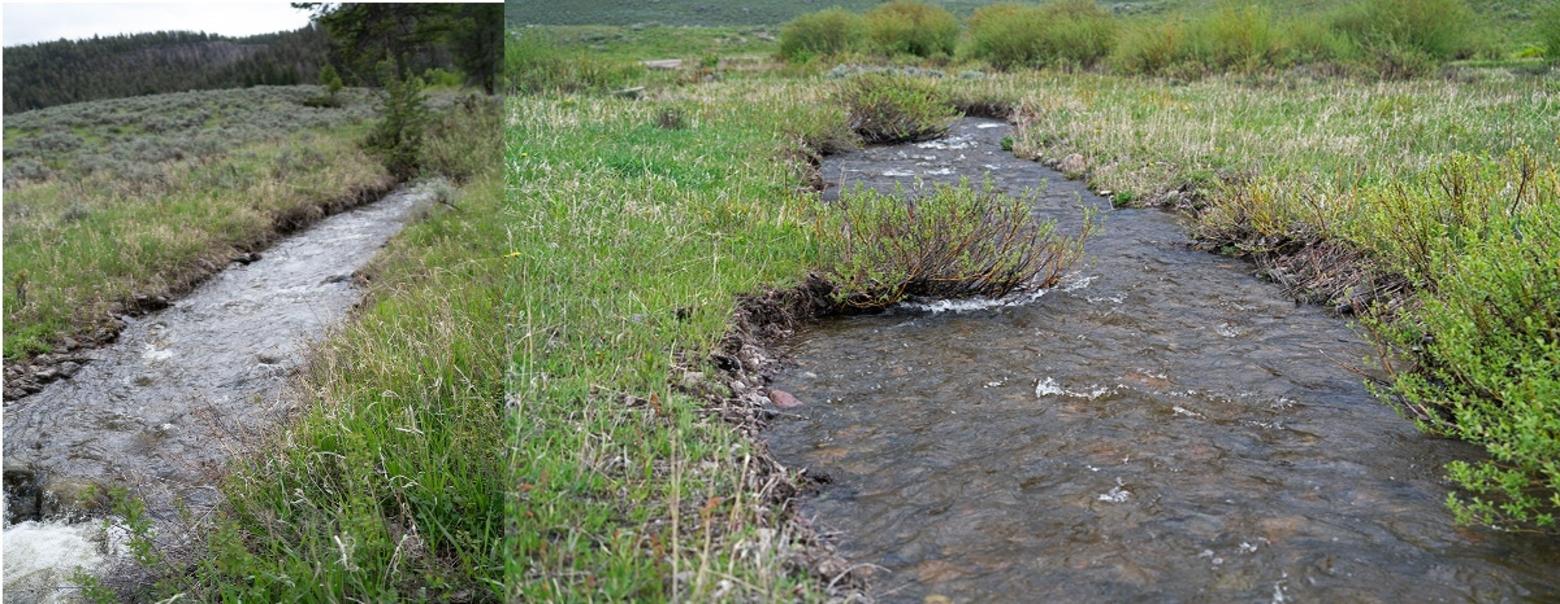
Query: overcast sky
37, 22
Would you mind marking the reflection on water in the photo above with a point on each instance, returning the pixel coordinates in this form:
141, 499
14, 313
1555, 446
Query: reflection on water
1161, 426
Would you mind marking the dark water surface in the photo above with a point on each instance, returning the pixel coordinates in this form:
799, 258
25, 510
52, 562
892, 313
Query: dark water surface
1161, 427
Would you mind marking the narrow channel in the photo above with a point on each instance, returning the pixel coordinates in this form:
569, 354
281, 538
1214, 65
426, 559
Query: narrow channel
1163, 425
161, 409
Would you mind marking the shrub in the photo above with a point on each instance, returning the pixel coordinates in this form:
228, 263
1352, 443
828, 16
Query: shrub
824, 33
1547, 24
331, 81
912, 27
1152, 47
1075, 32
1438, 29
1237, 37
887, 108
397, 138
463, 139
1313, 41
948, 242
1483, 338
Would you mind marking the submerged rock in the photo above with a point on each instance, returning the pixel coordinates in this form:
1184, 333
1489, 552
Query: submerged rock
783, 399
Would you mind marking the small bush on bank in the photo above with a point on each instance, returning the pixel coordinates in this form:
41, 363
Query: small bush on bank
1483, 337
1547, 24
950, 242
888, 108
821, 34
912, 27
1072, 32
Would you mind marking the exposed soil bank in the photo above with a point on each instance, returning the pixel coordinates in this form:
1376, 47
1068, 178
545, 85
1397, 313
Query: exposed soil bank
26, 376
1164, 425
182, 389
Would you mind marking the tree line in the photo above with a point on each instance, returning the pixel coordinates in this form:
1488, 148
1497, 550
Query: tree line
352, 38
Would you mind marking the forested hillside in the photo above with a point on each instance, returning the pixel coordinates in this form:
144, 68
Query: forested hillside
455, 38
69, 71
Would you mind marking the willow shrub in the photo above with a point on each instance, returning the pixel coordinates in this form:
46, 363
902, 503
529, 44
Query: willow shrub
1437, 29
951, 241
821, 34
1064, 32
891, 108
1483, 335
912, 27
1547, 25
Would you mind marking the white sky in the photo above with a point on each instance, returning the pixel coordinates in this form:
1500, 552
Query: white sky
29, 22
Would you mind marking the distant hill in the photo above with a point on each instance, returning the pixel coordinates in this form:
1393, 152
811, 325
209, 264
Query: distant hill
69, 71
772, 12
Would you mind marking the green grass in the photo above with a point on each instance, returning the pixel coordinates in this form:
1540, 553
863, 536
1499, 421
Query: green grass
1514, 19
633, 242
392, 484
79, 247
640, 240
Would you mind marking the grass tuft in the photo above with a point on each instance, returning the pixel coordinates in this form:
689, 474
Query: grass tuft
947, 242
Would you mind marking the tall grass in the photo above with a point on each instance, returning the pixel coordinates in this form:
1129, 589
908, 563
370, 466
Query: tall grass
535, 63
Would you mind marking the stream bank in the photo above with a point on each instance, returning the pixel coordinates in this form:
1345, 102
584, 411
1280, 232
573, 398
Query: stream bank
183, 389
1163, 424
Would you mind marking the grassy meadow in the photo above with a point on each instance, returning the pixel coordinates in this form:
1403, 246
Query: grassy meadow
1422, 198
109, 200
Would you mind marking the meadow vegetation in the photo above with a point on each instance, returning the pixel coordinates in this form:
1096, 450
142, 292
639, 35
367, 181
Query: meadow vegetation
391, 483
1380, 38
1309, 143
110, 200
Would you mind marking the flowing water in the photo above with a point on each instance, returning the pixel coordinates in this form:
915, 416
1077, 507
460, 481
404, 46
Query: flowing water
181, 390
1162, 426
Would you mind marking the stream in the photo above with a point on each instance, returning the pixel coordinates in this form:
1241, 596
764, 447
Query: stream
162, 408
1162, 426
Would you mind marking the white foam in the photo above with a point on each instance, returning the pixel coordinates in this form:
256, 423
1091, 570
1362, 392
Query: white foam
985, 126
1115, 495
43, 558
940, 172
1048, 387
898, 173
1076, 282
957, 142
976, 303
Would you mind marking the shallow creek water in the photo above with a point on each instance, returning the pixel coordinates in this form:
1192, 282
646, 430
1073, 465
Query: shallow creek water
1161, 426
182, 389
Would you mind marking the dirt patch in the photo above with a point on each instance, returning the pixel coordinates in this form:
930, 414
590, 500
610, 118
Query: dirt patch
28, 375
